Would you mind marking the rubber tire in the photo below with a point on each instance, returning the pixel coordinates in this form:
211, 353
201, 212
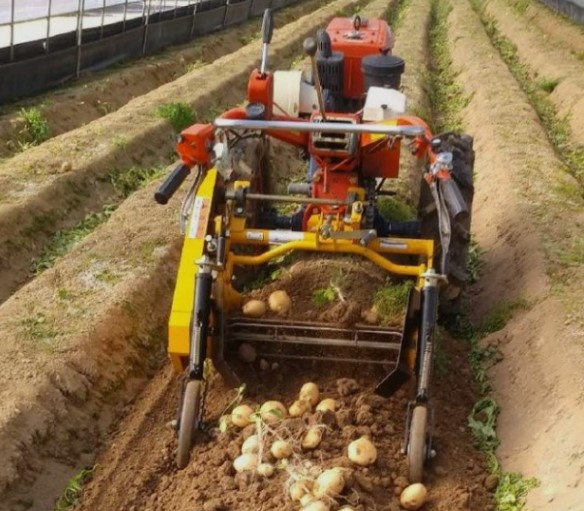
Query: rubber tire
187, 426
417, 444
463, 156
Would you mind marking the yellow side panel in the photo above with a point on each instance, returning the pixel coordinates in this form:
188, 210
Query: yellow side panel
182, 304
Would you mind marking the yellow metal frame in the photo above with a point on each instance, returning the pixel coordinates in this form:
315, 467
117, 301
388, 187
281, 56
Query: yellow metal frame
279, 243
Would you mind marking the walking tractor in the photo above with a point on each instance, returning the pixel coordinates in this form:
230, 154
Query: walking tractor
347, 118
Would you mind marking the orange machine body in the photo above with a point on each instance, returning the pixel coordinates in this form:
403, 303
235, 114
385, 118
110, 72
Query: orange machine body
371, 37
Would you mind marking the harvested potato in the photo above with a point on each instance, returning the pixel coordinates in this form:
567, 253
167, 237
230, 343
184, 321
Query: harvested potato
413, 497
245, 462
297, 491
281, 449
316, 505
312, 438
241, 416
251, 445
254, 309
273, 411
362, 451
279, 302
327, 405
298, 408
265, 469
310, 393
329, 484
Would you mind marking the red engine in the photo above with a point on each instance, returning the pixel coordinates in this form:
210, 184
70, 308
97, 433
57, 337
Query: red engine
356, 38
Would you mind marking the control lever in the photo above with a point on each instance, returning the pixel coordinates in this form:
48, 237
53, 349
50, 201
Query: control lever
267, 31
310, 48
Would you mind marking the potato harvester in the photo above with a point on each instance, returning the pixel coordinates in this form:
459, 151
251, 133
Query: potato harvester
347, 118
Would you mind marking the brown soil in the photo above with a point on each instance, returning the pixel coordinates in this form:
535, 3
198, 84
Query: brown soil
137, 472
525, 216
95, 96
80, 341
53, 186
546, 60
558, 30
80, 331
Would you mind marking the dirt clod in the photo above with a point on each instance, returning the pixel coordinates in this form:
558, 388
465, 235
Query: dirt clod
347, 386
491, 482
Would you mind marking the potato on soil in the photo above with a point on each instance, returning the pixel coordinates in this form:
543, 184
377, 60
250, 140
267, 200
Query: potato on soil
281, 449
312, 438
413, 497
245, 462
329, 484
265, 469
279, 302
297, 491
362, 451
273, 411
326, 405
316, 505
298, 408
254, 309
251, 445
310, 393
240, 416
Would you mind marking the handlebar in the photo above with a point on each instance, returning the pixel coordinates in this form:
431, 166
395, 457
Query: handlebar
331, 127
172, 183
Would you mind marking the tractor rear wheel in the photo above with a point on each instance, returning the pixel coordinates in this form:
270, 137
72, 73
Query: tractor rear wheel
188, 422
452, 295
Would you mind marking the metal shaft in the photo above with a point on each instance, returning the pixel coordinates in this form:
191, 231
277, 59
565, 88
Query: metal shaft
318, 88
287, 198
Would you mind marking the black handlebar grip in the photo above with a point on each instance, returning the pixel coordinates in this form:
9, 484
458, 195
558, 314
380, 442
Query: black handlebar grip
267, 26
172, 183
309, 46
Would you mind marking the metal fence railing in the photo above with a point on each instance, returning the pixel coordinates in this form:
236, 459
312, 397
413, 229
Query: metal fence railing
47, 42
567, 8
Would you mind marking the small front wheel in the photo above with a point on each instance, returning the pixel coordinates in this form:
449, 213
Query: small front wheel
417, 444
188, 422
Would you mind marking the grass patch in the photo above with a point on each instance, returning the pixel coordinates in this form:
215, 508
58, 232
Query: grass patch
40, 331
180, 115
499, 316
557, 128
475, 262
573, 255
36, 128
395, 16
392, 300
65, 239
512, 488
127, 181
547, 84
482, 422
322, 297
124, 182
520, 5
394, 209
71, 497
446, 96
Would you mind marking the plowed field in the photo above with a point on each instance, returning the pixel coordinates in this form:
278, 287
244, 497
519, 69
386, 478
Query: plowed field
88, 263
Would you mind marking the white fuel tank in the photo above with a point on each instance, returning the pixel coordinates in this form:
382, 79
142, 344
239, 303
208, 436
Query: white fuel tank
293, 95
382, 104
